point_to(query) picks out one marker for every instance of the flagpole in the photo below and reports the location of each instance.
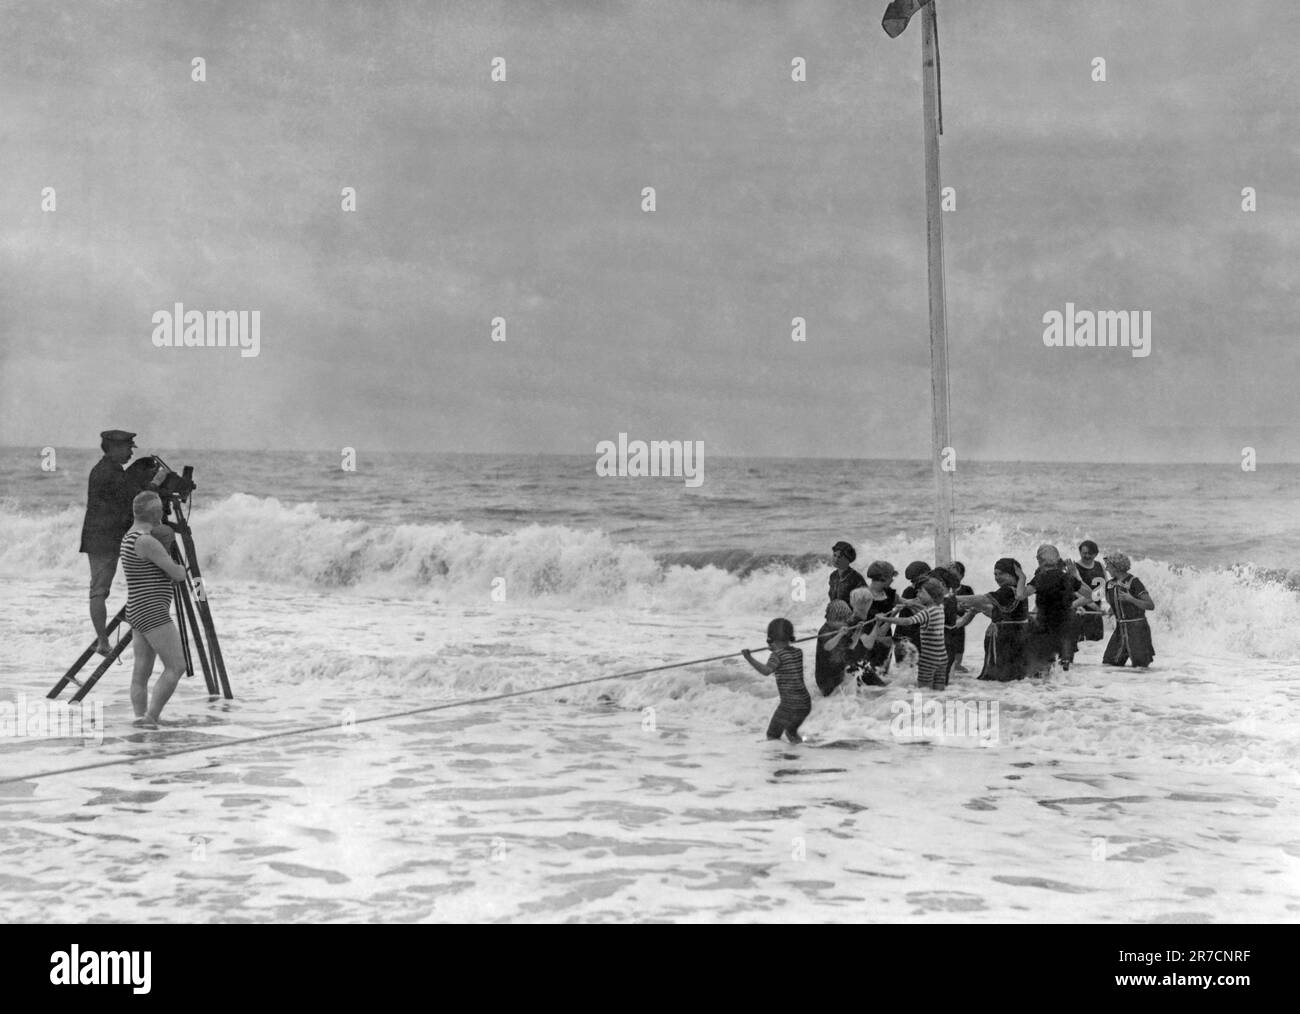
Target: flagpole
(940, 436)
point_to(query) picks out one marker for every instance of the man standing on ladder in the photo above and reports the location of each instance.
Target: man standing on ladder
(108, 516)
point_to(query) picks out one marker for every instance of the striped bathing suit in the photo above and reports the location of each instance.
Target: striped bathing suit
(932, 669)
(795, 700)
(789, 677)
(148, 589)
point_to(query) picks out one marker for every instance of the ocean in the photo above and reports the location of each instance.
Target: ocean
(426, 579)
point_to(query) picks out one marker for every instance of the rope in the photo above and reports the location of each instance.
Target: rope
(306, 730)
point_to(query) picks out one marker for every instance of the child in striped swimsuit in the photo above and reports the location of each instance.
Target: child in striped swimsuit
(786, 664)
(932, 667)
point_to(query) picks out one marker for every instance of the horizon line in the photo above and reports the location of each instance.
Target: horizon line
(723, 457)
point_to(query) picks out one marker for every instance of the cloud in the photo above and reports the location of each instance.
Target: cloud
(775, 200)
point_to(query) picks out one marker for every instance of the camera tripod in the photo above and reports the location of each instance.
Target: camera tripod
(193, 618)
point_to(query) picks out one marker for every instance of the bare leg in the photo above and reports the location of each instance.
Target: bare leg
(166, 640)
(99, 617)
(102, 569)
(140, 673)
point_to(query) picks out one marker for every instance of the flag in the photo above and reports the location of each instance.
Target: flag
(898, 14)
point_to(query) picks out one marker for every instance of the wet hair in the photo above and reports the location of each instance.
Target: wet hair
(849, 552)
(1090, 546)
(1006, 565)
(780, 629)
(933, 587)
(958, 568)
(916, 569)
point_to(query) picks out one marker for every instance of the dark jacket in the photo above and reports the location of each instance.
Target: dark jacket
(108, 507)
(1054, 592)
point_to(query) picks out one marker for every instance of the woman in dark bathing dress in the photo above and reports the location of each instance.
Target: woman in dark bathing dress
(829, 661)
(959, 631)
(1093, 575)
(1005, 657)
(1129, 601)
(1054, 630)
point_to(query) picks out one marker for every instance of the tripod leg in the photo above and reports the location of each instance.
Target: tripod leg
(180, 625)
(205, 612)
(185, 612)
(103, 666)
(183, 593)
(70, 675)
(217, 660)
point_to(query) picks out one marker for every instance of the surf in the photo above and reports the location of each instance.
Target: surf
(1237, 612)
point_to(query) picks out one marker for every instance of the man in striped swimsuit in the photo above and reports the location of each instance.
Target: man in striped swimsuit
(150, 571)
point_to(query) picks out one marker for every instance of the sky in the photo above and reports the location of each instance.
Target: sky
(775, 199)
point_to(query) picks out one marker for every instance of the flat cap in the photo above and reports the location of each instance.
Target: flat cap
(121, 435)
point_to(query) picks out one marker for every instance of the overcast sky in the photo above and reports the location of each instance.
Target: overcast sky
(775, 199)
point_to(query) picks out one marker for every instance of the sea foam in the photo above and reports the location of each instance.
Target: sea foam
(1238, 612)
